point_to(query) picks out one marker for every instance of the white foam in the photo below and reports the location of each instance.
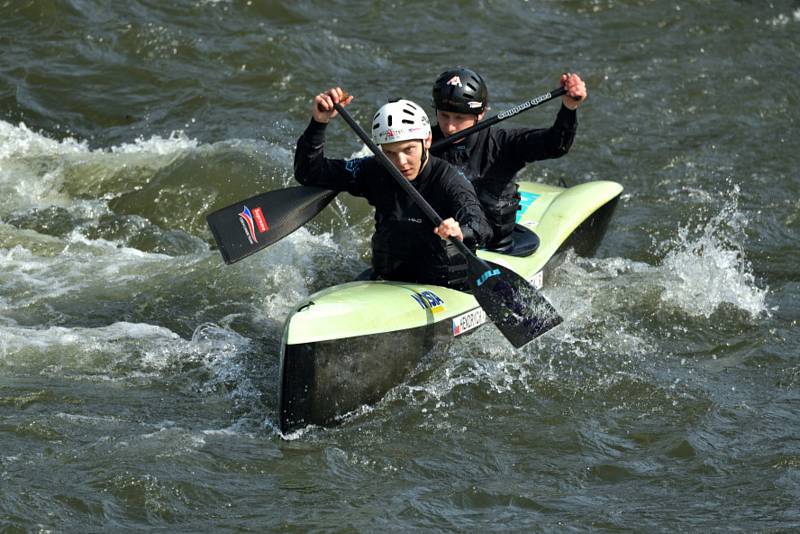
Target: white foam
(220, 351)
(706, 265)
(20, 141)
(703, 267)
(34, 168)
(707, 274)
(93, 352)
(100, 420)
(80, 264)
(176, 142)
(780, 20)
(131, 351)
(16, 337)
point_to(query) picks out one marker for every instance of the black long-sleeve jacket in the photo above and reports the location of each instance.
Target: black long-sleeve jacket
(404, 246)
(492, 157)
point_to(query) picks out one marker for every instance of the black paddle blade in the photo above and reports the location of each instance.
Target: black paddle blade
(516, 307)
(250, 225)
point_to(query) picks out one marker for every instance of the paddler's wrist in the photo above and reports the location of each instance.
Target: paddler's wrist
(315, 133)
(566, 118)
(468, 237)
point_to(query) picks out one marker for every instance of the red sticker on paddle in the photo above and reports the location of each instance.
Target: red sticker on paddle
(261, 222)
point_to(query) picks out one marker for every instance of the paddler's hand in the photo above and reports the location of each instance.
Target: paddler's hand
(576, 90)
(449, 228)
(323, 110)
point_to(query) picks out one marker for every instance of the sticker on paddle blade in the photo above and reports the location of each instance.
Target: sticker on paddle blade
(248, 224)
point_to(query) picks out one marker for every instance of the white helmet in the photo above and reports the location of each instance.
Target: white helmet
(400, 121)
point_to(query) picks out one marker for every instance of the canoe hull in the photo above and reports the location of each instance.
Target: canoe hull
(587, 237)
(325, 380)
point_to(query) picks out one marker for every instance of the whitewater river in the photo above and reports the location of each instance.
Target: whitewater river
(138, 372)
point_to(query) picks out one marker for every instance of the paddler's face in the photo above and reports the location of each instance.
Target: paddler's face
(407, 155)
(451, 123)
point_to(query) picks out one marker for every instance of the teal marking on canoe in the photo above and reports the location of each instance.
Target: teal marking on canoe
(525, 201)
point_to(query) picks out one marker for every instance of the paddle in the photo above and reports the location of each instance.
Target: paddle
(250, 225)
(507, 114)
(515, 306)
(232, 231)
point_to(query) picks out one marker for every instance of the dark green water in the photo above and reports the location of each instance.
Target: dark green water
(138, 374)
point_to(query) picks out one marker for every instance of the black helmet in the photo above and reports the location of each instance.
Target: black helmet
(460, 90)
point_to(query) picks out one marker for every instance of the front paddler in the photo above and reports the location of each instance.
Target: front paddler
(405, 247)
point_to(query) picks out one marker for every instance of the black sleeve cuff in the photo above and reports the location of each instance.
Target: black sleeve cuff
(469, 237)
(567, 117)
(315, 133)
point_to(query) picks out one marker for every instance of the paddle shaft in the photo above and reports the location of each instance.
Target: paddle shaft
(500, 117)
(418, 199)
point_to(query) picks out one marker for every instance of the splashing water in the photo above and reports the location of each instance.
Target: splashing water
(707, 265)
(36, 171)
(704, 267)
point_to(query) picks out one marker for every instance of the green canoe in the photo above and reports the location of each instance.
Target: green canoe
(347, 345)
